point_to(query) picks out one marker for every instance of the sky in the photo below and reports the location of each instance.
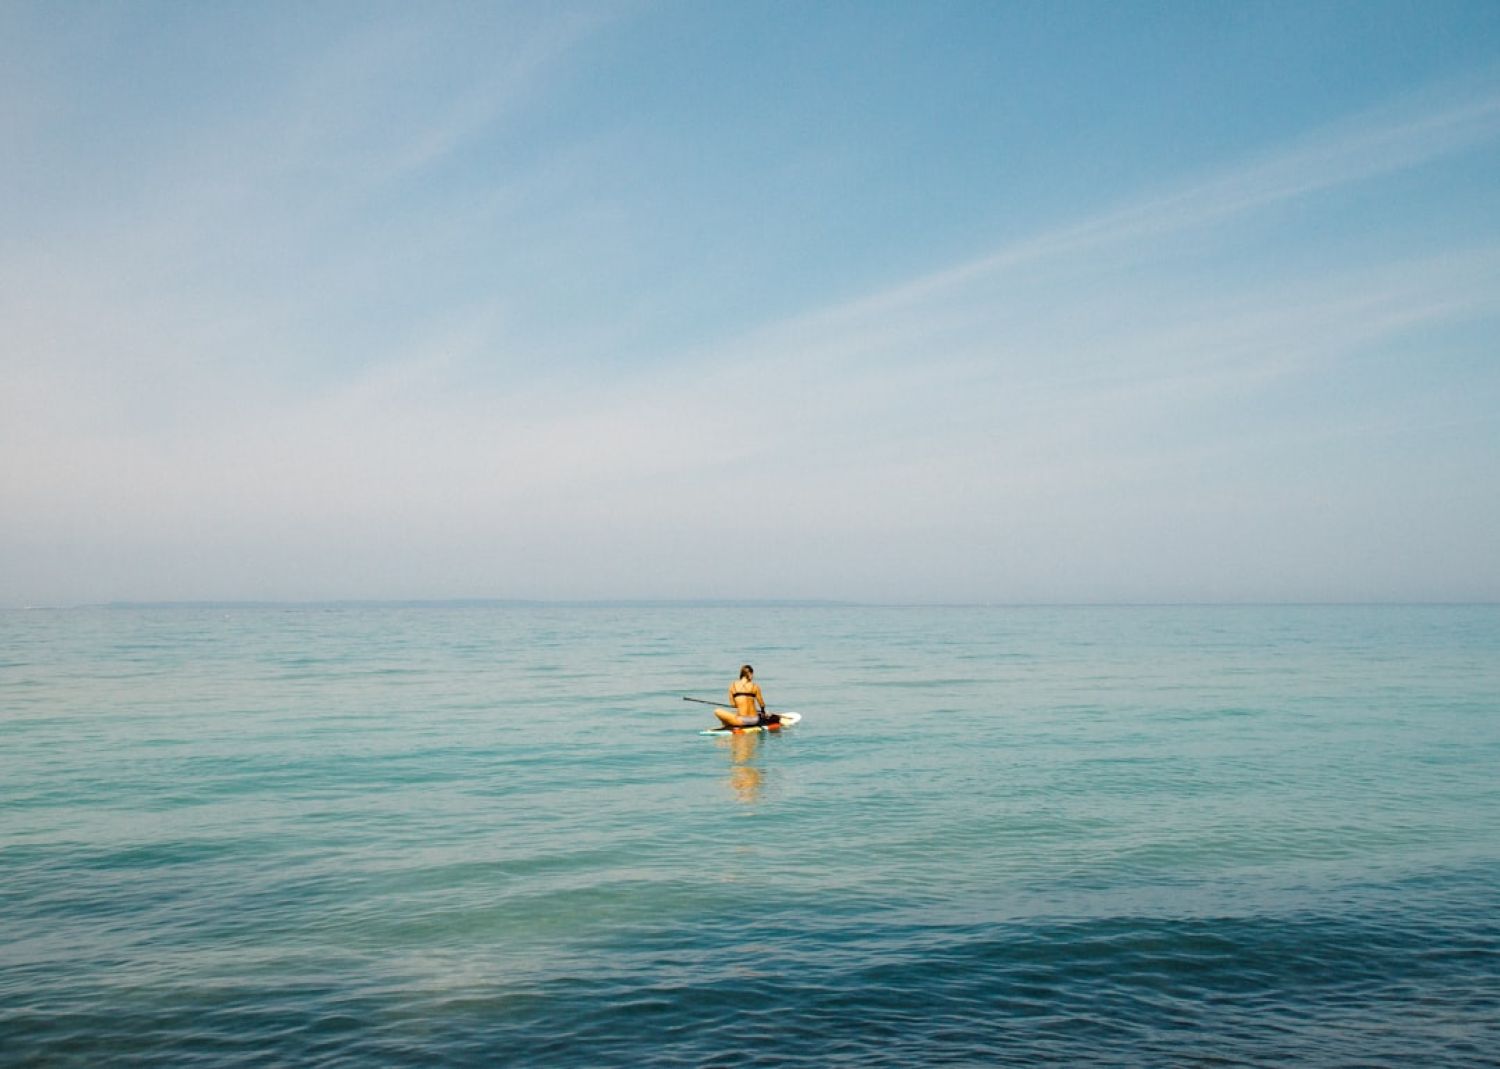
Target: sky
(992, 302)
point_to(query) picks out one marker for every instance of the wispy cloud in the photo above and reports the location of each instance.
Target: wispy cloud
(1433, 125)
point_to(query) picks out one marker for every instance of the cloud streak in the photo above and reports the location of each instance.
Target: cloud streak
(1381, 143)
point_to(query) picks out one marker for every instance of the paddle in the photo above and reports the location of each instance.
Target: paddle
(721, 705)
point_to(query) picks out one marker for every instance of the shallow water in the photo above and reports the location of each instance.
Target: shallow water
(460, 835)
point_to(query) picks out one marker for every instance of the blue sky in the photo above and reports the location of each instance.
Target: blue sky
(994, 302)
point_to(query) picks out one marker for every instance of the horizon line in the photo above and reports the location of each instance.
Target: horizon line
(717, 603)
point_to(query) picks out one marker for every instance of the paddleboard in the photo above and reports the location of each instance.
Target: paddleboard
(787, 720)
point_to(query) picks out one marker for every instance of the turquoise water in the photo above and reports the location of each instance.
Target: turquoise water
(358, 835)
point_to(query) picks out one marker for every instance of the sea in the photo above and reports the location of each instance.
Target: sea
(492, 835)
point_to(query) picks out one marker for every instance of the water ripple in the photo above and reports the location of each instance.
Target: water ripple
(1079, 838)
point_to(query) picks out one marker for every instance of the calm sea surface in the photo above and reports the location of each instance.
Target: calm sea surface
(429, 836)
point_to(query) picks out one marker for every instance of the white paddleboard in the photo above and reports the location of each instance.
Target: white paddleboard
(787, 720)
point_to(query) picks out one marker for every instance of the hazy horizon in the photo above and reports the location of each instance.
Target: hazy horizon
(729, 603)
(957, 303)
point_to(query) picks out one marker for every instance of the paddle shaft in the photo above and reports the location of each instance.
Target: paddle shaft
(700, 701)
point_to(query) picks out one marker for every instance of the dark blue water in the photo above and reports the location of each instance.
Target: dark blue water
(460, 836)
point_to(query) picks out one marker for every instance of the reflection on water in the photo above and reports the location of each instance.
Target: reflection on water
(745, 777)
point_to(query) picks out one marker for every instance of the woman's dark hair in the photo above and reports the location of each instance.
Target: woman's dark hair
(746, 670)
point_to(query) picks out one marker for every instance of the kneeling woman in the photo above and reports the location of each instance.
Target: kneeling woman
(749, 704)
